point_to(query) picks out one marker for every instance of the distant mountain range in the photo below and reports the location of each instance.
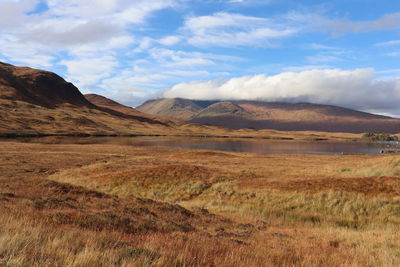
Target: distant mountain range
(271, 115)
(37, 102)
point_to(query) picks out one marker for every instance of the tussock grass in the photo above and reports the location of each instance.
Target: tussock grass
(341, 209)
(173, 183)
(381, 167)
(281, 210)
(24, 242)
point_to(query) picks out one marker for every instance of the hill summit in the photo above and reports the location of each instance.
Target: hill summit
(38, 87)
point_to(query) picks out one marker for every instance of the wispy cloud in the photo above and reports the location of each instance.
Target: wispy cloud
(227, 30)
(389, 43)
(336, 26)
(305, 68)
(86, 72)
(170, 40)
(316, 46)
(393, 54)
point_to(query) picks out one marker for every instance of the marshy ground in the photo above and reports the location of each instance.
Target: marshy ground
(113, 205)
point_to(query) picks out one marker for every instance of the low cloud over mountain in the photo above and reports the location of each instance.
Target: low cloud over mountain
(360, 89)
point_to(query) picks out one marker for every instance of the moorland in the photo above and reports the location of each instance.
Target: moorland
(112, 205)
(71, 204)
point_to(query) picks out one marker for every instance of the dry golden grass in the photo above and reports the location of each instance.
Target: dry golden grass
(24, 242)
(279, 210)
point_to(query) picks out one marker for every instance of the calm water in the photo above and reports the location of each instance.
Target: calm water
(237, 145)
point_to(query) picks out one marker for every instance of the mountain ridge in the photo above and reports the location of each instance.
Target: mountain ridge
(36, 102)
(38, 87)
(238, 114)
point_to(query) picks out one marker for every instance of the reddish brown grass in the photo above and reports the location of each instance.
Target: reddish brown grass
(262, 210)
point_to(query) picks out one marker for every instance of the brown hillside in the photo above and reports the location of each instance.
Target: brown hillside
(36, 102)
(106, 103)
(222, 109)
(177, 108)
(279, 116)
(38, 87)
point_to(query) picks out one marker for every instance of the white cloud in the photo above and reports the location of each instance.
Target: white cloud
(227, 30)
(306, 67)
(389, 43)
(163, 66)
(129, 96)
(326, 54)
(323, 58)
(316, 46)
(60, 32)
(357, 88)
(78, 22)
(339, 26)
(146, 43)
(86, 72)
(174, 58)
(167, 66)
(135, 77)
(13, 12)
(393, 54)
(241, 2)
(170, 40)
(391, 72)
(118, 11)
(34, 56)
(84, 35)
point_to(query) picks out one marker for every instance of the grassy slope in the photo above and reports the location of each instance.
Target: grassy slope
(180, 109)
(308, 210)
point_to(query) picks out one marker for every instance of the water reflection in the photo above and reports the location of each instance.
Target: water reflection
(276, 147)
(237, 145)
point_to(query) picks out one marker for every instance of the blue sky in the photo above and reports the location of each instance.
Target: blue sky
(335, 52)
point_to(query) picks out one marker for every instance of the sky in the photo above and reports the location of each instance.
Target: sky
(340, 52)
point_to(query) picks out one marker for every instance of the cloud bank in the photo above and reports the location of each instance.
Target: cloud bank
(359, 89)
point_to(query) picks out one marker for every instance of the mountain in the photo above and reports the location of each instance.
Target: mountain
(36, 102)
(38, 87)
(222, 109)
(272, 115)
(113, 106)
(177, 108)
(105, 102)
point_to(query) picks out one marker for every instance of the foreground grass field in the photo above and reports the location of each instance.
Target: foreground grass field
(110, 205)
